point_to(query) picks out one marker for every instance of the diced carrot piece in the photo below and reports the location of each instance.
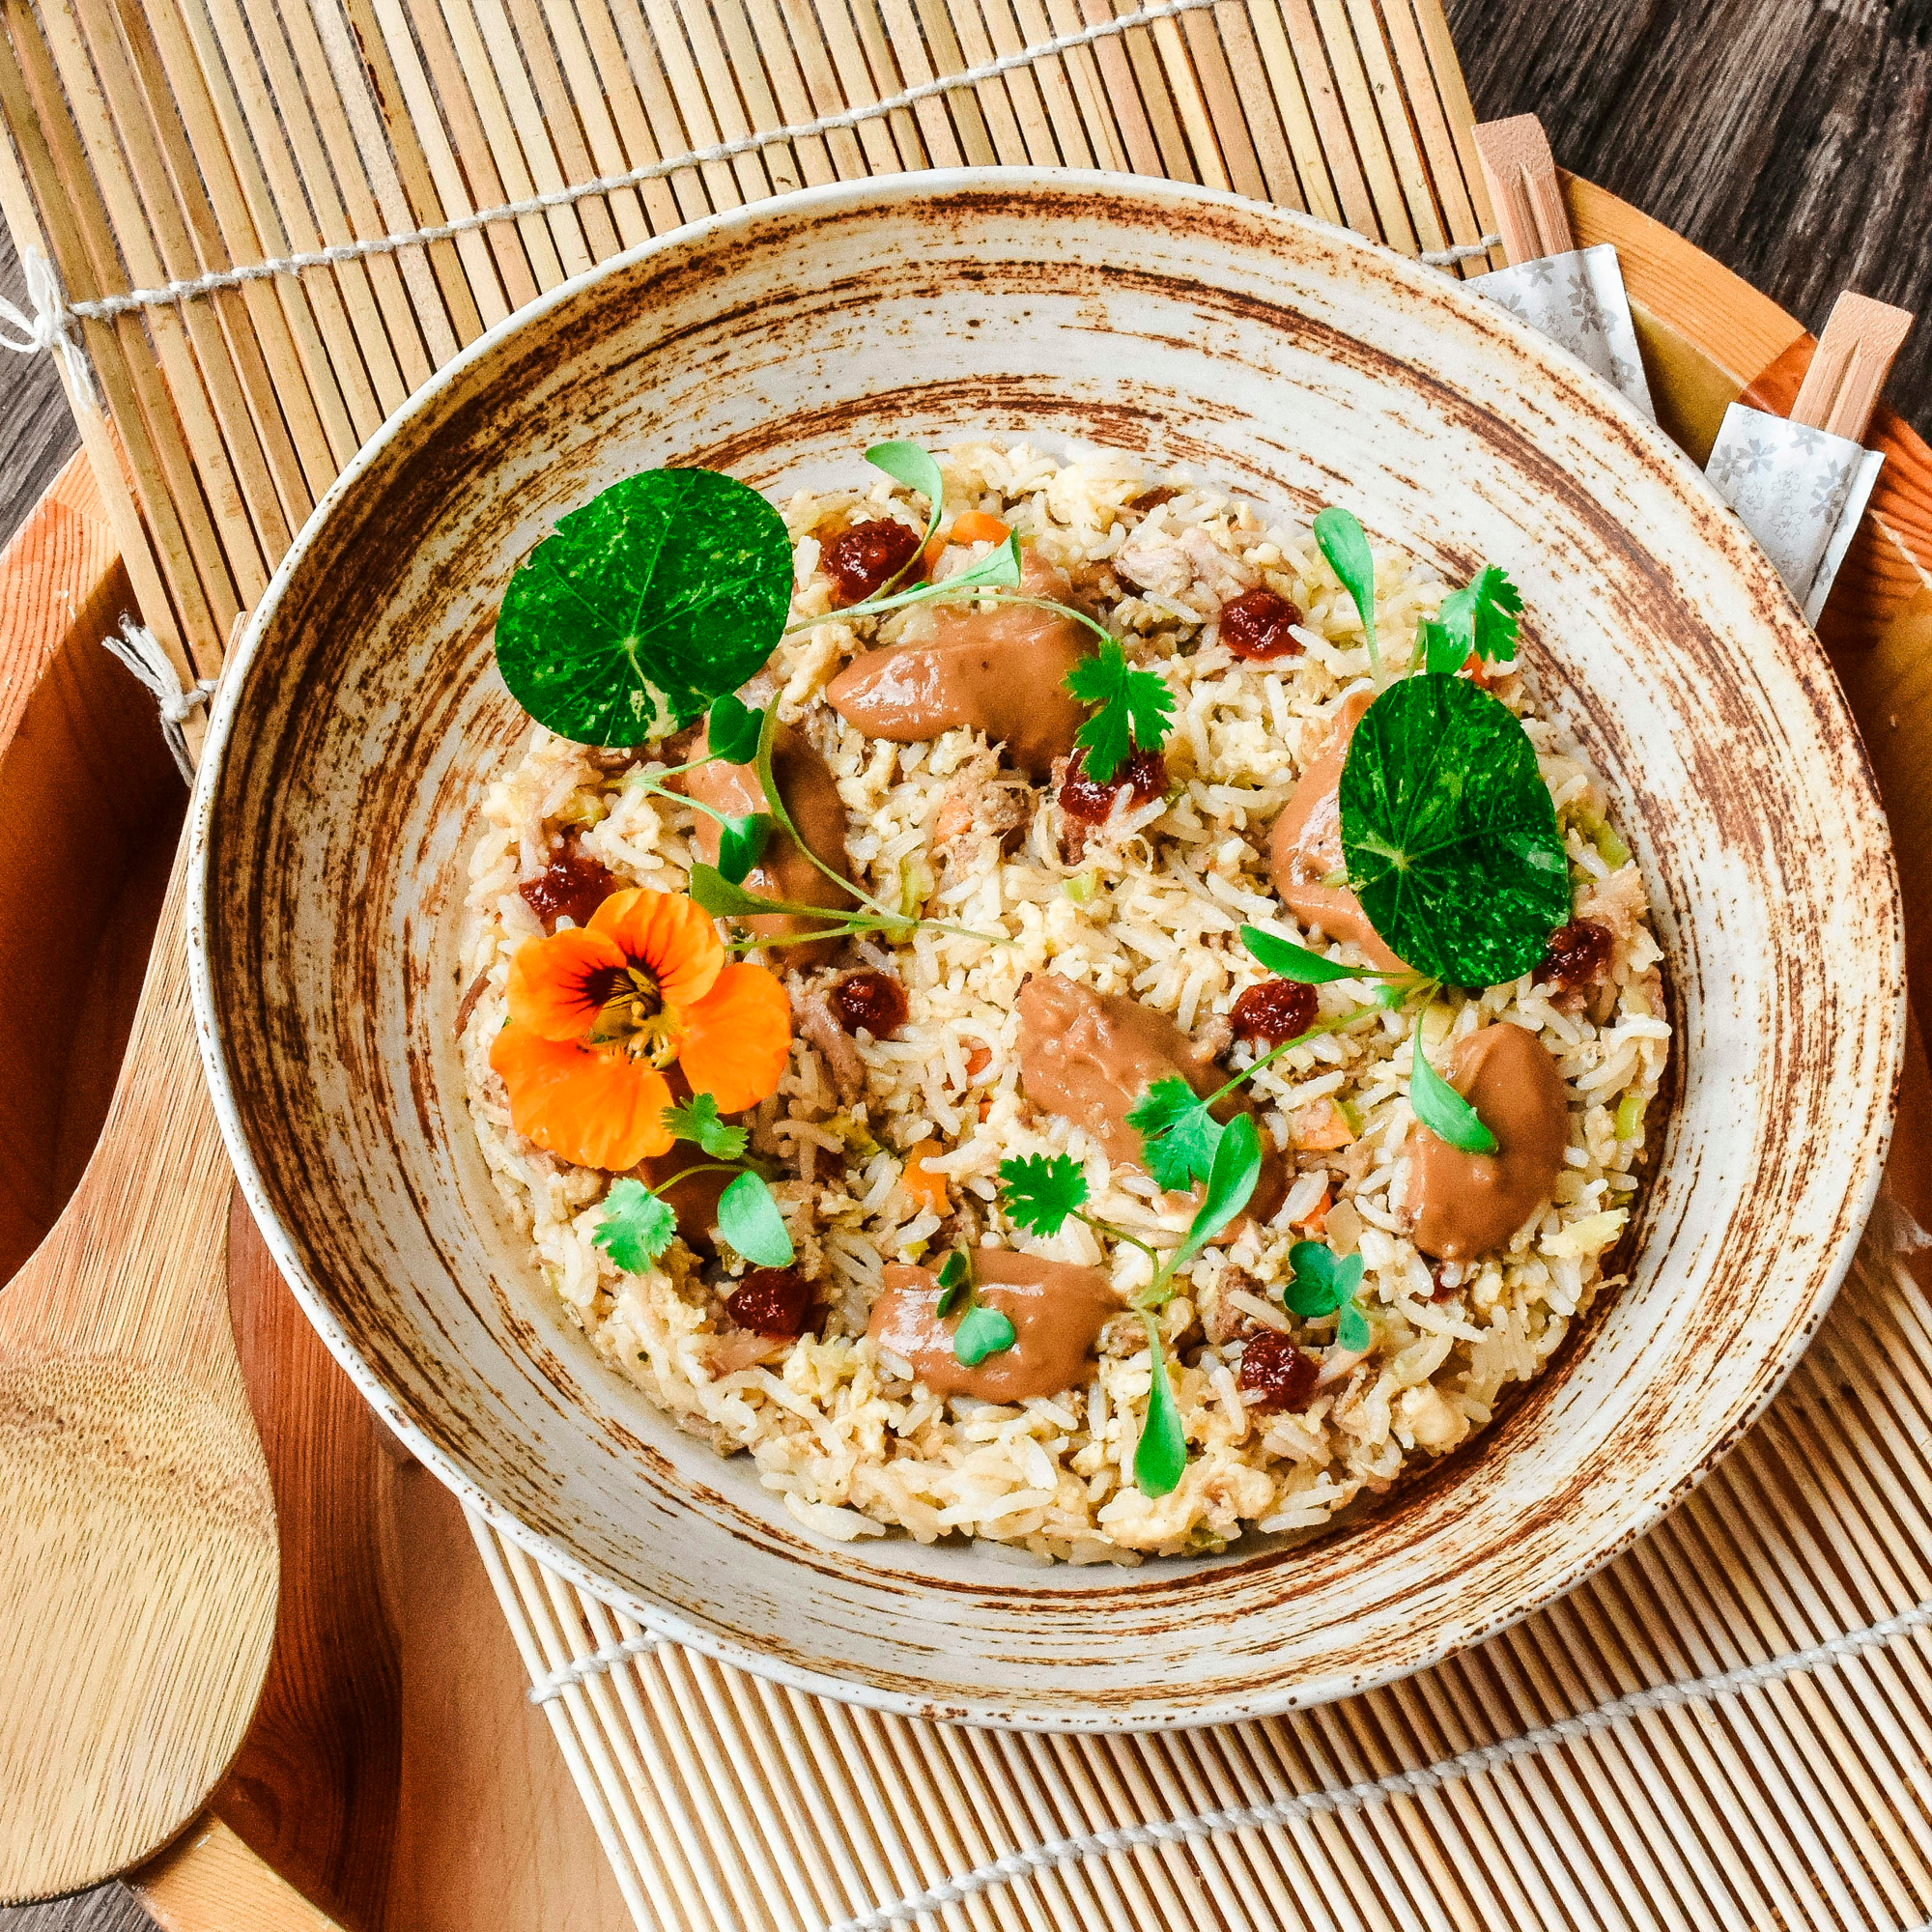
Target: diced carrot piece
(1321, 1125)
(919, 1181)
(928, 558)
(1317, 1217)
(978, 1060)
(976, 526)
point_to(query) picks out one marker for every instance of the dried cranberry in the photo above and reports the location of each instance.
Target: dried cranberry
(861, 560)
(1273, 1368)
(1440, 1288)
(1578, 955)
(572, 886)
(1143, 775)
(771, 1301)
(1275, 1011)
(874, 1001)
(1258, 624)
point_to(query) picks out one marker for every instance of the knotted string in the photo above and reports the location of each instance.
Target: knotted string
(48, 328)
(140, 650)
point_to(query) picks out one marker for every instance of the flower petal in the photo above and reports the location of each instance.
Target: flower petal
(668, 934)
(737, 1038)
(589, 1108)
(552, 985)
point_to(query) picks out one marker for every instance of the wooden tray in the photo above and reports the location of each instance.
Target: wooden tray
(395, 1774)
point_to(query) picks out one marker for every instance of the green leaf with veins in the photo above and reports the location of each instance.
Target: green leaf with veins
(634, 1228)
(1161, 1457)
(1346, 546)
(698, 1120)
(1449, 835)
(981, 1332)
(1443, 1109)
(657, 596)
(748, 1218)
(731, 730)
(1322, 1280)
(1179, 1135)
(741, 844)
(1482, 616)
(1288, 961)
(1135, 706)
(1039, 1192)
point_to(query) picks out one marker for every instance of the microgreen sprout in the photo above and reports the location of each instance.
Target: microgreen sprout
(1324, 1283)
(1345, 544)
(1441, 1109)
(638, 1222)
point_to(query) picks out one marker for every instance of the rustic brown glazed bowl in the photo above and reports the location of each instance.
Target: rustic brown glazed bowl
(362, 715)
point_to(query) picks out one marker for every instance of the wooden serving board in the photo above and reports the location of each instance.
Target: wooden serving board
(396, 1776)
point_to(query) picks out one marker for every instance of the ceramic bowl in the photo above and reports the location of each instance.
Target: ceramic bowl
(361, 716)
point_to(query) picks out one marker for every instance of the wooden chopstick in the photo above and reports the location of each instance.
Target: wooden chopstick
(1848, 369)
(1529, 198)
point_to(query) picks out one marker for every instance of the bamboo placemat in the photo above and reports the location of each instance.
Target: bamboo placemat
(160, 143)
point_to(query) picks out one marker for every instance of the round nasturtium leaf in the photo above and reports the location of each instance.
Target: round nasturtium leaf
(660, 594)
(1448, 832)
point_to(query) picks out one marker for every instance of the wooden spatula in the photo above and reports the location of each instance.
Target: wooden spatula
(137, 1529)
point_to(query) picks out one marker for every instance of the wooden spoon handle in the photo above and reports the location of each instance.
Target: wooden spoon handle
(133, 1269)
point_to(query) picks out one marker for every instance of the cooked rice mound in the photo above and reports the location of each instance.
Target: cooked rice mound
(1148, 908)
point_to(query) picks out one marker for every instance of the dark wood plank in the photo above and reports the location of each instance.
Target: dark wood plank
(37, 435)
(1792, 139)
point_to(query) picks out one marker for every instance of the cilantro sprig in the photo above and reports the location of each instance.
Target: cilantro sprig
(1478, 620)
(1135, 707)
(698, 1120)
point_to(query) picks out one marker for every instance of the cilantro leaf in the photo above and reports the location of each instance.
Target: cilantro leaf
(741, 844)
(1039, 1192)
(696, 1120)
(981, 1332)
(1482, 616)
(1135, 706)
(660, 594)
(1160, 1456)
(1443, 1109)
(731, 730)
(1322, 1280)
(1178, 1133)
(748, 1218)
(1346, 546)
(1448, 832)
(634, 1228)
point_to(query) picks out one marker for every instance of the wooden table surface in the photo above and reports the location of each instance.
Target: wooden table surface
(1792, 139)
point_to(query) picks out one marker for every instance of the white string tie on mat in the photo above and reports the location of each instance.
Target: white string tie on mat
(48, 330)
(1400, 1785)
(140, 650)
(53, 313)
(582, 1669)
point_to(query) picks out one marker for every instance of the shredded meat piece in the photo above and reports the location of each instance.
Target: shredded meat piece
(819, 1024)
(471, 993)
(613, 757)
(1221, 1321)
(1617, 903)
(976, 809)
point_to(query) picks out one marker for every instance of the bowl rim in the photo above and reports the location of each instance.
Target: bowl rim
(663, 1623)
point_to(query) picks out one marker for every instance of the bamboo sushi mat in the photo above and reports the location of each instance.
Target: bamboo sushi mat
(1687, 1740)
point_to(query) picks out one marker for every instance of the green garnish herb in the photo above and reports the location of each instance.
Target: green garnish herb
(748, 1218)
(998, 570)
(1135, 708)
(1179, 1135)
(636, 1226)
(981, 1332)
(698, 1120)
(1449, 835)
(1443, 1109)
(1160, 1456)
(1040, 1191)
(642, 607)
(1288, 961)
(1346, 546)
(955, 1278)
(741, 844)
(1324, 1283)
(732, 729)
(1478, 620)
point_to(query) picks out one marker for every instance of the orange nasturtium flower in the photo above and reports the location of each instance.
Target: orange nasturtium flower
(597, 1014)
